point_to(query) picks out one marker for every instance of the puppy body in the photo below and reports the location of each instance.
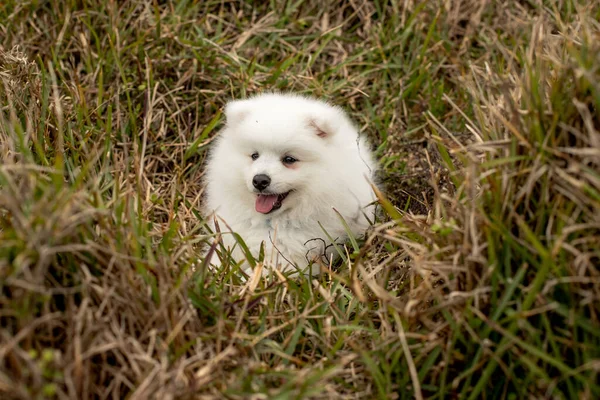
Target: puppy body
(281, 165)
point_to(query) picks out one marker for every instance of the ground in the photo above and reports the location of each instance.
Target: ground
(479, 280)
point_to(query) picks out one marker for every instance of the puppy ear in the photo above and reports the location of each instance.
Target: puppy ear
(236, 111)
(326, 124)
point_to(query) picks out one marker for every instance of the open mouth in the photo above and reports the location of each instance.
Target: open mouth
(266, 203)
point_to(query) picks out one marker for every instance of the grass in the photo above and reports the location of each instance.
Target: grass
(480, 281)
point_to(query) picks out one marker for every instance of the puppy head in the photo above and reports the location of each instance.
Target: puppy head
(283, 144)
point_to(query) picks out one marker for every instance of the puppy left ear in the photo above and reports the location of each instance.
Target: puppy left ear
(236, 111)
(326, 124)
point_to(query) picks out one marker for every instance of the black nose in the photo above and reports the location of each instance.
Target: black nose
(261, 181)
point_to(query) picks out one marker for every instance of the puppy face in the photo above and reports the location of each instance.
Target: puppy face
(273, 174)
(281, 146)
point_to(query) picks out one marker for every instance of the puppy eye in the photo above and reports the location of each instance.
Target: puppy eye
(289, 160)
(254, 155)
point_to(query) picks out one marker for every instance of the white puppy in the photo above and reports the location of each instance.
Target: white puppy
(278, 171)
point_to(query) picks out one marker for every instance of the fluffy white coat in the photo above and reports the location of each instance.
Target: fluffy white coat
(307, 149)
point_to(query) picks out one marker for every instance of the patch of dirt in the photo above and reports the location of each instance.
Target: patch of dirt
(411, 186)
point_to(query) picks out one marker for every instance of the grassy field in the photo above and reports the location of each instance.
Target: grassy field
(481, 280)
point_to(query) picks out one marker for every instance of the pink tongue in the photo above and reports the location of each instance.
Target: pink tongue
(265, 202)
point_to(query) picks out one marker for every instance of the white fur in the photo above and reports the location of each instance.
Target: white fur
(334, 170)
